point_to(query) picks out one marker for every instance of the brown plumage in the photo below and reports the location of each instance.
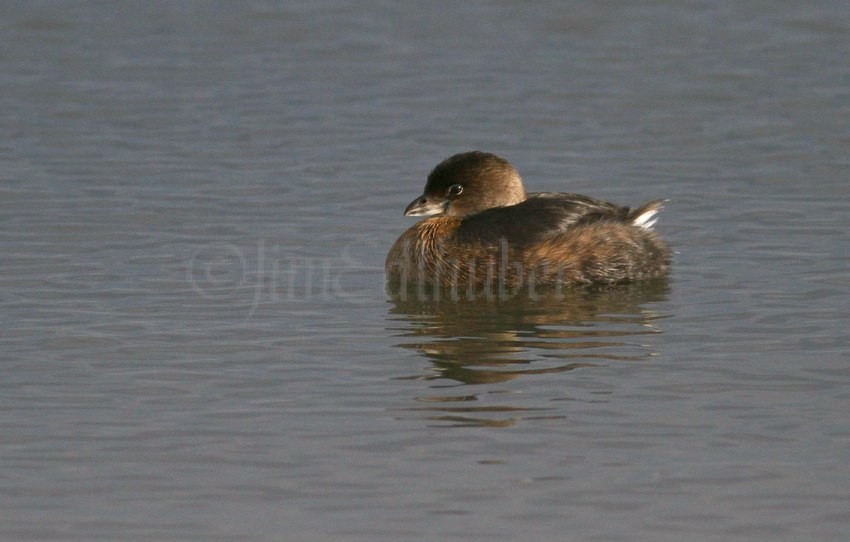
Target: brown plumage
(486, 232)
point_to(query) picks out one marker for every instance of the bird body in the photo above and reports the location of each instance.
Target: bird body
(486, 231)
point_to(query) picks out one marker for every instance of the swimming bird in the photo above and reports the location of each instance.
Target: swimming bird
(485, 230)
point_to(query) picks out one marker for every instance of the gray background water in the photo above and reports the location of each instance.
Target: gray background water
(197, 198)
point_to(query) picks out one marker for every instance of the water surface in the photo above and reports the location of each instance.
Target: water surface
(196, 202)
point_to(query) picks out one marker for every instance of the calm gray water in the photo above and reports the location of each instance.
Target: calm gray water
(196, 201)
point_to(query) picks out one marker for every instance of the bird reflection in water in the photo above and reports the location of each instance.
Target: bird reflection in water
(494, 341)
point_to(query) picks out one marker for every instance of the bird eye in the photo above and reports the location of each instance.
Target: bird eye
(455, 190)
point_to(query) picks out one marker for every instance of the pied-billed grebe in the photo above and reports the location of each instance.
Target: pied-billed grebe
(485, 230)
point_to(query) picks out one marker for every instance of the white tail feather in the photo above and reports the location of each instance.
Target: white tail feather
(643, 221)
(648, 218)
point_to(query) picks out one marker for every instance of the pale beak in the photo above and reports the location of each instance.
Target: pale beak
(423, 206)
